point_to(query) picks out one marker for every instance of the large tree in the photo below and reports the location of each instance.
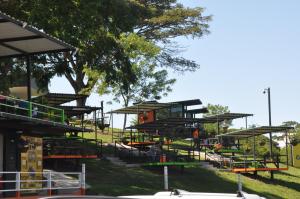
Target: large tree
(151, 82)
(95, 26)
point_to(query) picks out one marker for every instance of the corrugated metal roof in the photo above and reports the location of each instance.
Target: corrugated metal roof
(17, 38)
(256, 131)
(55, 99)
(142, 107)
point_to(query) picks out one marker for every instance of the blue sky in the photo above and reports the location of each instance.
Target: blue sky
(253, 45)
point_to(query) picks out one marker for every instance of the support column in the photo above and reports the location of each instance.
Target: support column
(28, 68)
(166, 182)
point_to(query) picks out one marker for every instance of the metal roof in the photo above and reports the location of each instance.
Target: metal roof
(173, 122)
(76, 110)
(165, 123)
(189, 102)
(197, 111)
(142, 107)
(256, 131)
(56, 99)
(154, 105)
(223, 116)
(17, 38)
(35, 125)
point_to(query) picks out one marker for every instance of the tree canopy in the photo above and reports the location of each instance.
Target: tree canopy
(212, 129)
(96, 26)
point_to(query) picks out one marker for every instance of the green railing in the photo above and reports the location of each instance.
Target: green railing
(31, 109)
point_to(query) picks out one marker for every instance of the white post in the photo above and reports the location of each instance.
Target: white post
(83, 180)
(49, 185)
(18, 184)
(239, 183)
(166, 183)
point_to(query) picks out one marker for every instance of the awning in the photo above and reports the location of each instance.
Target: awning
(36, 126)
(224, 116)
(192, 102)
(56, 99)
(154, 105)
(142, 107)
(256, 131)
(17, 38)
(71, 111)
(166, 123)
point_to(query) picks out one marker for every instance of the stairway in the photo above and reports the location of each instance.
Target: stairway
(118, 162)
(207, 166)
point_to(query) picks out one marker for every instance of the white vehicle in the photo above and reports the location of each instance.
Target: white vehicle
(181, 194)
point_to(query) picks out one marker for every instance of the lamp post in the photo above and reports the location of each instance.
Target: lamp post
(268, 91)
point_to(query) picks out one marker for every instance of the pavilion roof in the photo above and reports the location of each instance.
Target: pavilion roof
(245, 133)
(17, 38)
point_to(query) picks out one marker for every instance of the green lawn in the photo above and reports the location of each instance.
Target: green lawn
(109, 179)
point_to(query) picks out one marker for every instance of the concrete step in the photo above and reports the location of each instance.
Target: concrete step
(118, 162)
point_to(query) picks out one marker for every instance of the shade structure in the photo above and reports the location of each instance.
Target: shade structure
(71, 111)
(142, 107)
(56, 99)
(166, 123)
(36, 126)
(224, 116)
(191, 102)
(154, 105)
(246, 133)
(17, 38)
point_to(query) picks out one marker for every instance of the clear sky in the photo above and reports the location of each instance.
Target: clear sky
(253, 45)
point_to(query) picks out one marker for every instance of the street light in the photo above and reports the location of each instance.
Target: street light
(268, 91)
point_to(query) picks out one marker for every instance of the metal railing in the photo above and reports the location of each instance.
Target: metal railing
(44, 181)
(250, 161)
(72, 146)
(30, 109)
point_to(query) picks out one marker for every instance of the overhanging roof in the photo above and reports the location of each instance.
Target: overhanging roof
(165, 123)
(256, 131)
(56, 99)
(224, 116)
(197, 111)
(77, 110)
(189, 102)
(35, 125)
(142, 107)
(154, 105)
(17, 38)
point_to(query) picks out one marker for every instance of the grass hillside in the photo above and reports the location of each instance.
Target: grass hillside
(108, 179)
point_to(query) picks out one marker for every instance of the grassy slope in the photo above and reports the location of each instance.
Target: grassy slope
(108, 179)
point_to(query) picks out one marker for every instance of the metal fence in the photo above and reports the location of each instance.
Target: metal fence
(31, 109)
(15, 182)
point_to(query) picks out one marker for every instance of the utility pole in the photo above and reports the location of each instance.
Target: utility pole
(268, 90)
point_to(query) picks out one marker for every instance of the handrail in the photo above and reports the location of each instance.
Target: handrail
(31, 109)
(44, 181)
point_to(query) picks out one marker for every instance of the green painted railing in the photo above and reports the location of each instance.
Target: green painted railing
(30, 109)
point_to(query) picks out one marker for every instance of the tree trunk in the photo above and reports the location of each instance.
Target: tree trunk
(125, 120)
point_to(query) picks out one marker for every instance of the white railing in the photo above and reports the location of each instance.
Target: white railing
(47, 180)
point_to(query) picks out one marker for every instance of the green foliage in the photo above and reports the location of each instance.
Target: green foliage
(13, 73)
(98, 27)
(150, 83)
(262, 147)
(212, 129)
